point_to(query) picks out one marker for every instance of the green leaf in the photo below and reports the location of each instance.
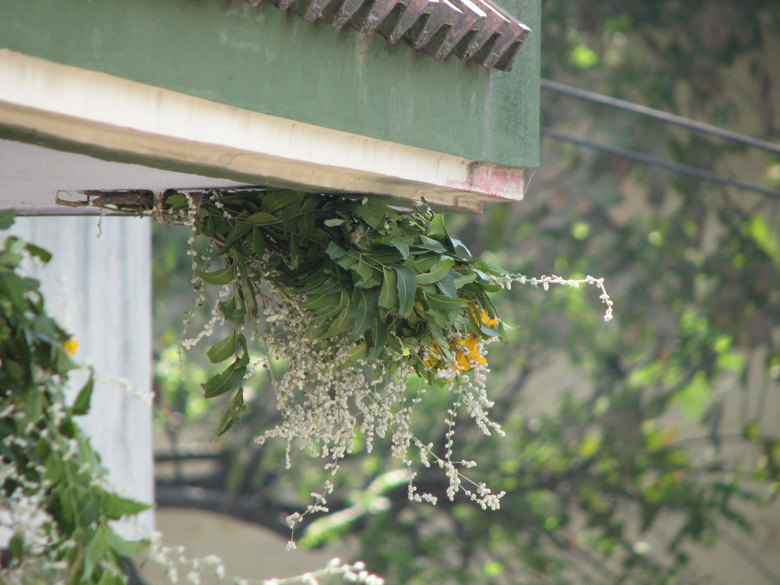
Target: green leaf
(6, 218)
(81, 405)
(334, 222)
(248, 294)
(364, 271)
(334, 251)
(232, 415)
(227, 380)
(306, 225)
(308, 272)
(383, 255)
(590, 444)
(402, 247)
(262, 218)
(223, 382)
(337, 327)
(378, 338)
(373, 212)
(176, 201)
(490, 331)
(427, 243)
(318, 302)
(11, 286)
(347, 261)
(30, 284)
(474, 324)
(258, 242)
(731, 361)
(460, 281)
(315, 283)
(357, 352)
(330, 286)
(279, 199)
(422, 262)
(447, 285)
(407, 287)
(439, 271)
(221, 351)
(365, 313)
(337, 303)
(233, 310)
(95, 551)
(115, 506)
(109, 578)
(240, 229)
(455, 244)
(44, 255)
(441, 302)
(224, 275)
(388, 295)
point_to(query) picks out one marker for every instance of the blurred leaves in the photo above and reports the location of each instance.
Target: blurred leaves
(49, 469)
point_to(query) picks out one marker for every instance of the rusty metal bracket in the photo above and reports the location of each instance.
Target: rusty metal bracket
(473, 30)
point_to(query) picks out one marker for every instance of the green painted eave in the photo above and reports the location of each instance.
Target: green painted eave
(266, 60)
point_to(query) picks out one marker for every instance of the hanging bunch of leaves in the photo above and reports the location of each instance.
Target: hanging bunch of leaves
(359, 268)
(355, 297)
(53, 500)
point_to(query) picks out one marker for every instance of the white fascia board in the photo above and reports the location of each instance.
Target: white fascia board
(114, 114)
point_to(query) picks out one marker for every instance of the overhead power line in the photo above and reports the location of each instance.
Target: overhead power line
(659, 162)
(658, 115)
(664, 117)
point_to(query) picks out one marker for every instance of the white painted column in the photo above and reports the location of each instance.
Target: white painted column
(100, 291)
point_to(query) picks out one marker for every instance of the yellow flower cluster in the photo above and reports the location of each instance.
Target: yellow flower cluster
(71, 346)
(466, 350)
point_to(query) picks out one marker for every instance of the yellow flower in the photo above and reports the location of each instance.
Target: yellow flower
(431, 356)
(467, 351)
(71, 346)
(484, 316)
(488, 321)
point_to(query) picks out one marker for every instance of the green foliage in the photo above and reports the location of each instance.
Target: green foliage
(362, 269)
(50, 491)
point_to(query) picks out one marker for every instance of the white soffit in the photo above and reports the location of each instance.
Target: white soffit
(112, 114)
(31, 177)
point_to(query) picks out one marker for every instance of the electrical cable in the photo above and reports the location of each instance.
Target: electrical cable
(658, 115)
(659, 162)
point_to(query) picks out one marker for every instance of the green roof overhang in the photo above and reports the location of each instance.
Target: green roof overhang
(257, 95)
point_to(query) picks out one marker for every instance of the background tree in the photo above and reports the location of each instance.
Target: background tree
(661, 434)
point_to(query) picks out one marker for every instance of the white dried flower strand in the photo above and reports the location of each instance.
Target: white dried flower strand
(174, 562)
(146, 398)
(324, 396)
(545, 281)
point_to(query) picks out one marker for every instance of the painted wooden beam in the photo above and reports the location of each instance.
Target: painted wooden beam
(267, 60)
(114, 118)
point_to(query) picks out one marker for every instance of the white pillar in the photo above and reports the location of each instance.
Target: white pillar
(100, 291)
